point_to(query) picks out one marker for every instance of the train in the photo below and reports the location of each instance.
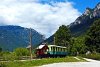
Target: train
(44, 50)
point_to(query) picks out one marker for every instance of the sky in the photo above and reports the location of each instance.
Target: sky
(45, 16)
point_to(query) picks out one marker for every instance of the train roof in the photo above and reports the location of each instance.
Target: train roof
(41, 46)
(57, 46)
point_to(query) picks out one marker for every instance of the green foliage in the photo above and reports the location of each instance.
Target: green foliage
(78, 46)
(9, 56)
(18, 53)
(2, 64)
(62, 36)
(4, 52)
(92, 39)
(21, 52)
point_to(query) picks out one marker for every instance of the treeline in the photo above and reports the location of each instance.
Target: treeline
(90, 41)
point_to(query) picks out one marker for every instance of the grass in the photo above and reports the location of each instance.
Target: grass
(95, 56)
(39, 62)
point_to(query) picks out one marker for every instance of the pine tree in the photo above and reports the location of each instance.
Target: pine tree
(62, 36)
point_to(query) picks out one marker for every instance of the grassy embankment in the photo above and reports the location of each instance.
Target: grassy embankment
(40, 62)
(95, 56)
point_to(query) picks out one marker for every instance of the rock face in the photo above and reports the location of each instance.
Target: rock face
(83, 22)
(96, 12)
(12, 37)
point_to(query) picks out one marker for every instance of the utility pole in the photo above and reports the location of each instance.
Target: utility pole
(30, 43)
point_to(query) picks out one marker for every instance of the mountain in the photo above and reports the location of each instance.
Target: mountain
(12, 37)
(82, 23)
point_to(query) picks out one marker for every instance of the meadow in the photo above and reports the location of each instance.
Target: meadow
(39, 62)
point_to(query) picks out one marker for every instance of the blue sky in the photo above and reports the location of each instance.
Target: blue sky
(82, 4)
(45, 16)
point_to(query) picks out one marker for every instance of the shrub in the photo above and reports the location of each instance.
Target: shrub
(9, 56)
(21, 52)
(2, 64)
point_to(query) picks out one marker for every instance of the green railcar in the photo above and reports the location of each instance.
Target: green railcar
(57, 51)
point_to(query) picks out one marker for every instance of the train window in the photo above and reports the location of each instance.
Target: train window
(64, 49)
(56, 49)
(59, 49)
(51, 48)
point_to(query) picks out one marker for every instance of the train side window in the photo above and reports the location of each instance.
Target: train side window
(54, 48)
(64, 49)
(61, 49)
(58, 48)
(51, 48)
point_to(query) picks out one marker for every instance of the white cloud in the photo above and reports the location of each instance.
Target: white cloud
(44, 18)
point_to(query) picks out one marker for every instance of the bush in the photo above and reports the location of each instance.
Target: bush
(21, 52)
(9, 56)
(2, 64)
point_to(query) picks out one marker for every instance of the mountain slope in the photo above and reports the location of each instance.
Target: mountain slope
(12, 37)
(82, 23)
